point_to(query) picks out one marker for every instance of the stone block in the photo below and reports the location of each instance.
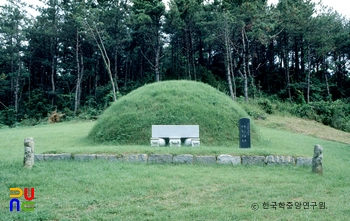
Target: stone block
(175, 131)
(188, 142)
(175, 142)
(279, 160)
(101, 156)
(205, 159)
(63, 156)
(317, 160)
(38, 157)
(28, 161)
(157, 142)
(132, 158)
(113, 158)
(183, 158)
(84, 157)
(142, 158)
(304, 161)
(160, 158)
(192, 142)
(129, 157)
(228, 159)
(195, 142)
(253, 160)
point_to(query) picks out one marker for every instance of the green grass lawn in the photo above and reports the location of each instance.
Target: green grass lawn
(101, 190)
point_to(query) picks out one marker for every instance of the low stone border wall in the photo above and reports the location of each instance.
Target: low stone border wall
(182, 159)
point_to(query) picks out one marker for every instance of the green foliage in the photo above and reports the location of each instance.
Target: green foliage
(207, 77)
(36, 106)
(45, 60)
(8, 117)
(332, 114)
(260, 107)
(129, 120)
(266, 105)
(252, 108)
(328, 113)
(28, 122)
(89, 113)
(304, 111)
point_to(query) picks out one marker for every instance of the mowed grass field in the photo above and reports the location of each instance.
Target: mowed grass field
(102, 190)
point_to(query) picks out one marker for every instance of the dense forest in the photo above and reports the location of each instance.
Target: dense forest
(78, 56)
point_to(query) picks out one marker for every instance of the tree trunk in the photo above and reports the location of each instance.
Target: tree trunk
(107, 64)
(248, 57)
(101, 47)
(17, 82)
(157, 61)
(232, 75)
(116, 67)
(286, 68)
(53, 57)
(188, 56)
(245, 78)
(327, 85)
(326, 78)
(227, 61)
(53, 88)
(13, 90)
(80, 72)
(126, 72)
(308, 74)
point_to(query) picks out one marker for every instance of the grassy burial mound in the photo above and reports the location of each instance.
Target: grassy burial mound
(129, 120)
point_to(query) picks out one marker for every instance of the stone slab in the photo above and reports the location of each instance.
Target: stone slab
(228, 159)
(63, 156)
(101, 156)
(204, 159)
(168, 131)
(253, 160)
(84, 157)
(160, 158)
(183, 158)
(132, 158)
(38, 157)
(279, 160)
(142, 158)
(304, 161)
(113, 158)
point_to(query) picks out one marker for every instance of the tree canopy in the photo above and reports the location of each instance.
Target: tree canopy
(79, 55)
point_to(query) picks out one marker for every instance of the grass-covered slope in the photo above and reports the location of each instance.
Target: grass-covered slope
(129, 120)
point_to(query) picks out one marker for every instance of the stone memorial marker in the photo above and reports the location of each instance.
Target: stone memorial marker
(317, 160)
(244, 133)
(28, 160)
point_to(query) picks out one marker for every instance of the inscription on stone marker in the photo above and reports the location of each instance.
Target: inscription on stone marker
(244, 133)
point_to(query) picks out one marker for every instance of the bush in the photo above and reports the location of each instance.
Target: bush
(305, 111)
(89, 113)
(29, 122)
(329, 113)
(266, 105)
(253, 110)
(8, 117)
